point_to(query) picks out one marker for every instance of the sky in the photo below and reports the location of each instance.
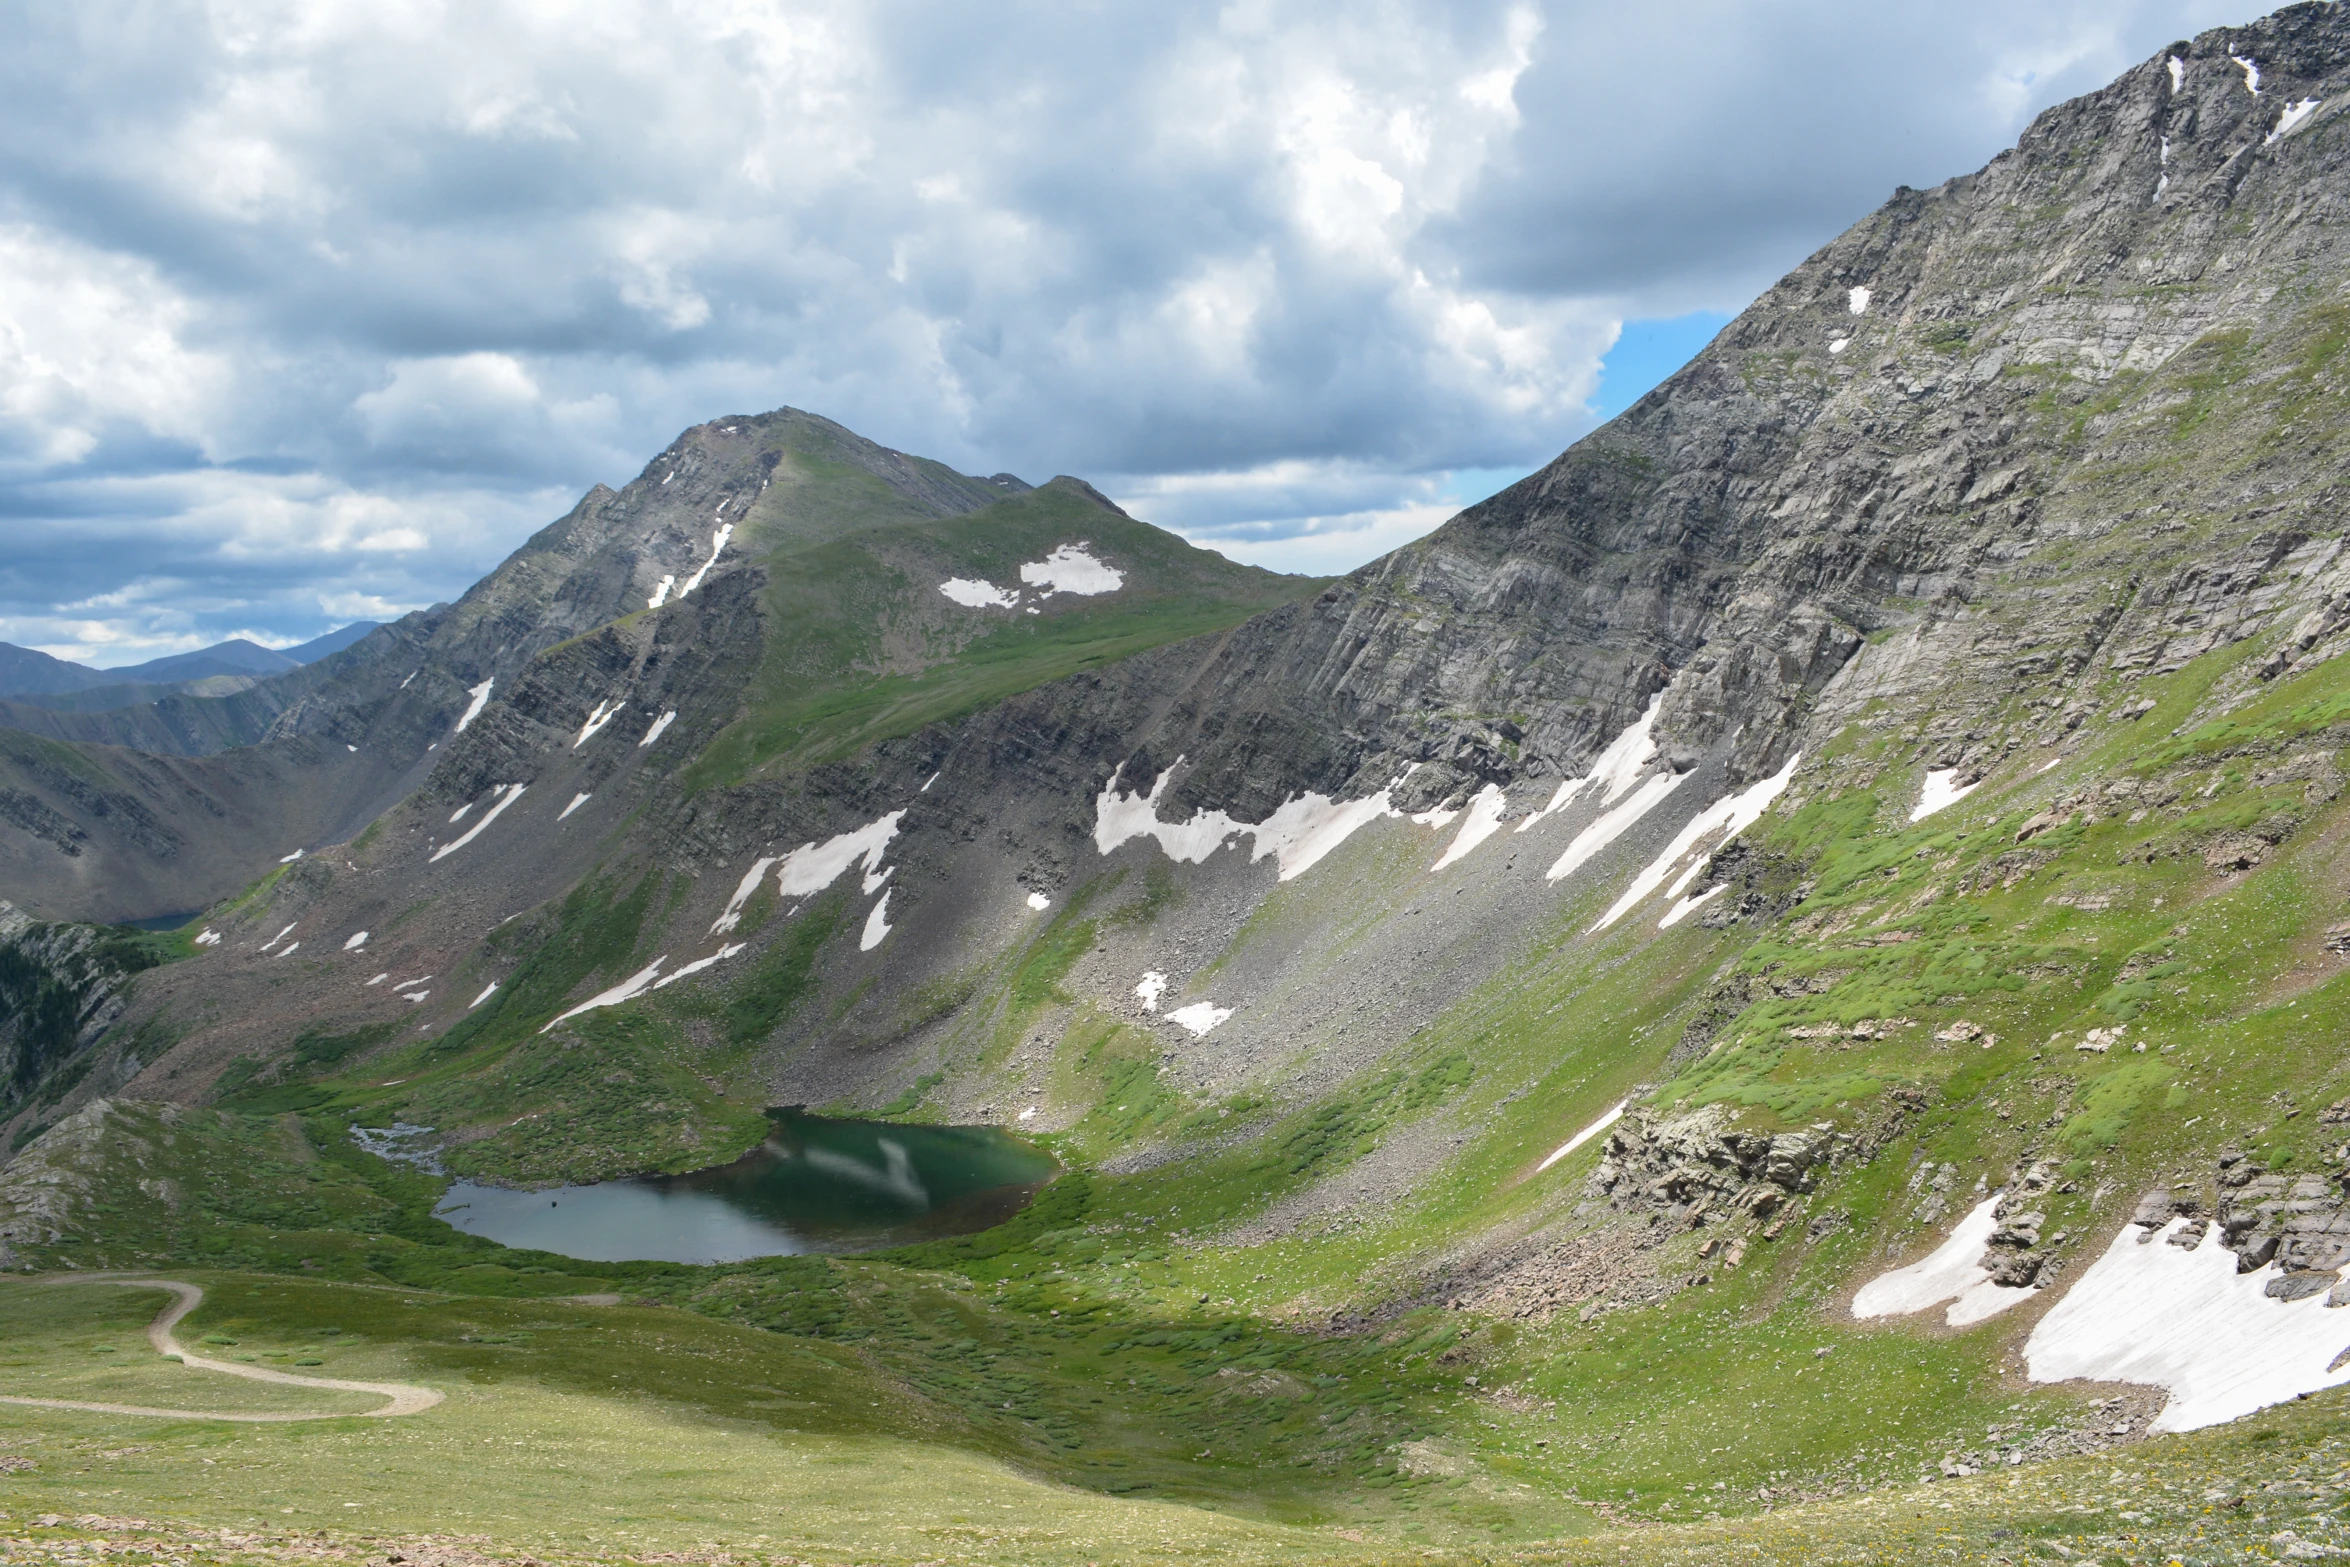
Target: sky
(313, 312)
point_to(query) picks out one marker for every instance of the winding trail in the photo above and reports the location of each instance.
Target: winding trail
(405, 1398)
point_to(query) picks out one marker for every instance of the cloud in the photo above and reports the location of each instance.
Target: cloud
(307, 304)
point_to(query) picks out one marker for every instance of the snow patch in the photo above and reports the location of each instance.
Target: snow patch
(627, 990)
(1837, 345)
(1199, 1017)
(2296, 116)
(1939, 792)
(1484, 820)
(1153, 986)
(927, 782)
(972, 593)
(2251, 74)
(812, 867)
(1027, 1114)
(412, 674)
(379, 979)
(280, 936)
(877, 926)
(458, 814)
(506, 796)
(717, 544)
(699, 964)
(605, 712)
(1729, 817)
(481, 699)
(577, 801)
(489, 991)
(356, 942)
(291, 858)
(1300, 832)
(661, 593)
(1615, 770)
(659, 724)
(1611, 825)
(1039, 902)
(1613, 1114)
(1858, 301)
(208, 937)
(1688, 906)
(2183, 1318)
(1072, 568)
(1953, 1272)
(2178, 72)
(409, 984)
(291, 950)
(742, 895)
(419, 996)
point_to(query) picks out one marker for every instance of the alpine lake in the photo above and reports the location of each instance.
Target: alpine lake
(815, 1185)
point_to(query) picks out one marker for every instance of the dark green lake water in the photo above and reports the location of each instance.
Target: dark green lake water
(814, 1185)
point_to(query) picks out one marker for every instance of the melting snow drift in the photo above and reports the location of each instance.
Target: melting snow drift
(877, 926)
(1300, 832)
(2296, 116)
(1939, 792)
(1199, 1017)
(481, 699)
(605, 712)
(1484, 820)
(2183, 1318)
(717, 546)
(1613, 1114)
(1072, 568)
(506, 796)
(1952, 1272)
(972, 593)
(1612, 773)
(627, 990)
(1729, 816)
(812, 867)
(1153, 986)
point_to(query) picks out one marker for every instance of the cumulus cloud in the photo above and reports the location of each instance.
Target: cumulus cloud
(315, 304)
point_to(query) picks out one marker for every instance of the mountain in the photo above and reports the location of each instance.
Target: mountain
(335, 641)
(1795, 953)
(26, 671)
(234, 657)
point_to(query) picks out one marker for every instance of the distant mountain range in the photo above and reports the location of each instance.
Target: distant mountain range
(26, 671)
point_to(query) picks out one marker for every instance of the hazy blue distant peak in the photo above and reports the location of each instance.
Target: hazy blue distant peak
(27, 671)
(317, 648)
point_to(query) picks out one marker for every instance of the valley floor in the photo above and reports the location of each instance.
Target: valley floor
(529, 1460)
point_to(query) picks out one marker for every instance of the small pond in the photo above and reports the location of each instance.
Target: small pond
(814, 1185)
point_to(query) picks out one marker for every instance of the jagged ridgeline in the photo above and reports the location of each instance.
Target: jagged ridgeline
(1796, 949)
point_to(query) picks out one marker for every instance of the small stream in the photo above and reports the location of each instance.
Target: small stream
(815, 1185)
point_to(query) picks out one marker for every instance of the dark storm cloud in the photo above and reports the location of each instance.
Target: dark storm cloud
(313, 310)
